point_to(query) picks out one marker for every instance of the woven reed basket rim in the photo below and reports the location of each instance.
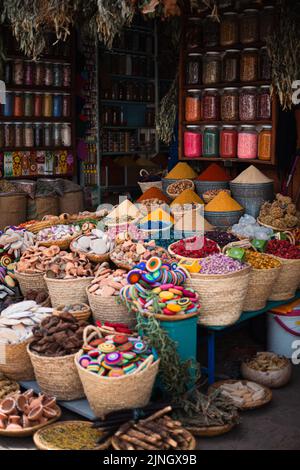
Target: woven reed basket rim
(67, 280)
(199, 276)
(18, 273)
(257, 404)
(207, 431)
(50, 358)
(276, 229)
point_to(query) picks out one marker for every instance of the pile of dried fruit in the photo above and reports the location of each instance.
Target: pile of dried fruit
(283, 249)
(266, 362)
(260, 260)
(177, 188)
(195, 247)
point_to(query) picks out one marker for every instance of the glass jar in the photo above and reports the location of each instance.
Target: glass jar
(19, 105)
(19, 135)
(48, 74)
(47, 105)
(28, 135)
(193, 69)
(18, 72)
(265, 65)
(66, 76)
(230, 104)
(8, 106)
(66, 135)
(2, 139)
(231, 66)
(9, 134)
(228, 142)
(47, 136)
(8, 73)
(248, 103)
(210, 147)
(265, 143)
(28, 73)
(56, 134)
(211, 105)
(39, 74)
(211, 33)
(57, 106)
(193, 106)
(249, 65)
(38, 134)
(192, 142)
(249, 26)
(264, 103)
(211, 68)
(28, 105)
(57, 75)
(229, 29)
(247, 143)
(38, 104)
(193, 34)
(267, 22)
(66, 105)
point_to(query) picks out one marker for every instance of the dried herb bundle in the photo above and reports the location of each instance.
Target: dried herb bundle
(166, 116)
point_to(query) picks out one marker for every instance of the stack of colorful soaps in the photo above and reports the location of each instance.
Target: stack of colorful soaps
(156, 288)
(115, 355)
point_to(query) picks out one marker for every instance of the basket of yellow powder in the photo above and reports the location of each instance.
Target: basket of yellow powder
(223, 211)
(181, 171)
(264, 273)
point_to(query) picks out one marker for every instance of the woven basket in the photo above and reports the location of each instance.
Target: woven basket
(261, 284)
(28, 282)
(210, 431)
(257, 404)
(271, 378)
(221, 296)
(174, 196)
(108, 394)
(203, 186)
(90, 256)
(68, 291)
(82, 315)
(57, 376)
(276, 229)
(63, 244)
(151, 184)
(287, 283)
(15, 362)
(206, 198)
(183, 258)
(107, 309)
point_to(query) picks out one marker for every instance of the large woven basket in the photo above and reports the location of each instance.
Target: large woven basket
(287, 282)
(221, 297)
(15, 362)
(68, 291)
(107, 394)
(261, 284)
(80, 315)
(90, 256)
(28, 282)
(107, 309)
(63, 244)
(151, 184)
(57, 376)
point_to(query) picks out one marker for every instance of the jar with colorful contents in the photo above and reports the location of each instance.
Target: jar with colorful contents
(247, 143)
(265, 65)
(47, 136)
(248, 104)
(249, 26)
(39, 74)
(57, 105)
(8, 107)
(212, 66)
(38, 104)
(267, 22)
(264, 104)
(230, 104)
(28, 105)
(211, 104)
(19, 104)
(47, 105)
(229, 29)
(231, 66)
(18, 72)
(9, 135)
(228, 142)
(28, 73)
(19, 135)
(38, 134)
(66, 76)
(193, 34)
(211, 33)
(192, 142)
(194, 69)
(210, 147)
(48, 74)
(66, 105)
(249, 65)
(193, 106)
(56, 134)
(28, 135)
(265, 143)
(66, 135)
(57, 75)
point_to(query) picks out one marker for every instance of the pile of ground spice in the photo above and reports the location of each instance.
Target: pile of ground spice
(158, 215)
(252, 176)
(182, 171)
(153, 193)
(214, 173)
(191, 221)
(187, 197)
(223, 203)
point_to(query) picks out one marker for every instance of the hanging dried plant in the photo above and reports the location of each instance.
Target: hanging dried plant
(284, 51)
(166, 116)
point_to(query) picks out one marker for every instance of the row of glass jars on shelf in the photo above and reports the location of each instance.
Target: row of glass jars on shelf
(37, 105)
(245, 142)
(230, 104)
(20, 72)
(249, 65)
(249, 27)
(19, 135)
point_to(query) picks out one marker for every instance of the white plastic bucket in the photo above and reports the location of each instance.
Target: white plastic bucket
(283, 332)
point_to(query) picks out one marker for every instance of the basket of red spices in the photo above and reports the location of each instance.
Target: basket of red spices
(288, 281)
(193, 248)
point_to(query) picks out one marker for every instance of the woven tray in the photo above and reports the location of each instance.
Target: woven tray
(41, 444)
(267, 398)
(276, 229)
(30, 431)
(210, 431)
(90, 256)
(63, 244)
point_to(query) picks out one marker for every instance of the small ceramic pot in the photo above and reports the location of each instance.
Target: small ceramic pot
(14, 423)
(21, 403)
(35, 413)
(8, 406)
(49, 413)
(28, 394)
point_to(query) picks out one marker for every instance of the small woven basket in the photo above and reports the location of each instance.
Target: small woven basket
(68, 291)
(57, 376)
(15, 362)
(29, 282)
(261, 284)
(174, 196)
(108, 394)
(107, 309)
(287, 283)
(151, 184)
(82, 315)
(63, 244)
(90, 256)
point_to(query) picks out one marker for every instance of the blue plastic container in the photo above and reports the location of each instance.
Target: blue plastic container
(184, 333)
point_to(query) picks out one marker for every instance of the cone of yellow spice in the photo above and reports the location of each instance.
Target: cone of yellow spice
(223, 203)
(188, 196)
(182, 171)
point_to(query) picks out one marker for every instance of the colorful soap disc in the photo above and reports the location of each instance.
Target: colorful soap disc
(129, 356)
(102, 371)
(94, 353)
(148, 278)
(113, 358)
(107, 347)
(129, 369)
(156, 275)
(184, 302)
(153, 264)
(141, 266)
(139, 347)
(116, 372)
(125, 347)
(166, 295)
(133, 276)
(120, 339)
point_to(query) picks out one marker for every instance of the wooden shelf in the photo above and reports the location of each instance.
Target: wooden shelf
(128, 128)
(144, 103)
(238, 47)
(131, 77)
(116, 50)
(38, 88)
(222, 85)
(34, 119)
(41, 60)
(231, 160)
(30, 177)
(228, 123)
(37, 149)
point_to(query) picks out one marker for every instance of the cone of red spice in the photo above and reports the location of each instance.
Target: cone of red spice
(213, 173)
